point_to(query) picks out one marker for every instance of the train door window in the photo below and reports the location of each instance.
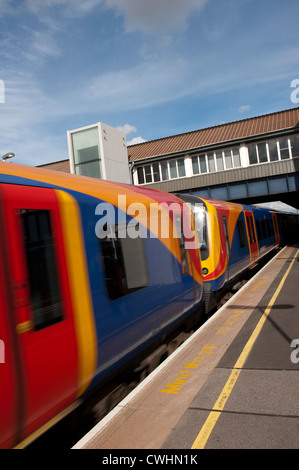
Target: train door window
(259, 231)
(264, 229)
(201, 223)
(242, 233)
(183, 251)
(125, 265)
(226, 234)
(251, 229)
(42, 268)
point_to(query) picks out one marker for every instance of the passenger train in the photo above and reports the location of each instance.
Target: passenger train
(95, 276)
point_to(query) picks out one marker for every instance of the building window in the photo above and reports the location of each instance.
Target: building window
(219, 160)
(295, 145)
(161, 171)
(140, 175)
(252, 154)
(236, 157)
(262, 152)
(274, 150)
(156, 172)
(284, 148)
(87, 157)
(211, 162)
(164, 170)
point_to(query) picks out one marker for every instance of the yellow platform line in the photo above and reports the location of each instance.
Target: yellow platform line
(218, 407)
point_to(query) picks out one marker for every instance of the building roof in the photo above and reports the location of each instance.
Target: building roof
(255, 126)
(62, 165)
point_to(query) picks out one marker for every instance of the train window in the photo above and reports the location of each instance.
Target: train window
(259, 230)
(42, 268)
(226, 234)
(183, 251)
(201, 224)
(242, 233)
(124, 262)
(264, 229)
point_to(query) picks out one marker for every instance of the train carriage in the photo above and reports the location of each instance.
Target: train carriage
(83, 294)
(233, 238)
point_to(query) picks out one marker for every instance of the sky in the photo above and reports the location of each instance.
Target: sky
(152, 68)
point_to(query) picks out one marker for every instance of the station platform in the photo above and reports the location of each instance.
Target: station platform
(233, 385)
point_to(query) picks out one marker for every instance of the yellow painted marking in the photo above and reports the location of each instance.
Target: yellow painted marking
(214, 415)
(80, 290)
(258, 285)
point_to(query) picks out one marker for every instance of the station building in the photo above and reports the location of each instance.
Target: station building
(252, 160)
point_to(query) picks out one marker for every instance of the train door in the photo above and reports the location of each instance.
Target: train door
(9, 390)
(276, 229)
(42, 305)
(190, 293)
(253, 246)
(224, 242)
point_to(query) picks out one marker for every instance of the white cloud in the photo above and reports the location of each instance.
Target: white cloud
(244, 108)
(136, 140)
(127, 129)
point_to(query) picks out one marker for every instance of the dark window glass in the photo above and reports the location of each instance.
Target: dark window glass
(201, 223)
(183, 251)
(226, 234)
(272, 144)
(262, 150)
(252, 154)
(164, 171)
(42, 268)
(295, 145)
(148, 173)
(242, 233)
(181, 167)
(264, 228)
(203, 164)
(259, 231)
(124, 259)
(156, 172)
(173, 169)
(140, 175)
(195, 166)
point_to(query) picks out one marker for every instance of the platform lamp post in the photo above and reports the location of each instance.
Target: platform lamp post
(7, 156)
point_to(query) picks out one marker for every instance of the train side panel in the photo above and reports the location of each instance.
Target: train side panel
(46, 343)
(140, 287)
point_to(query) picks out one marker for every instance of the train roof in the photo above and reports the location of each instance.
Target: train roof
(13, 173)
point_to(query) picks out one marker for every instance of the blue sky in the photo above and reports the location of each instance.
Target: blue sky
(151, 67)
